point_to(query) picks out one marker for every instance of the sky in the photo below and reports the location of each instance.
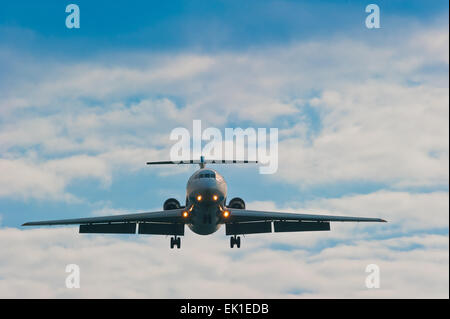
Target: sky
(363, 122)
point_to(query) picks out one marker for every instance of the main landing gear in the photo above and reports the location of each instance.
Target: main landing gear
(235, 240)
(175, 241)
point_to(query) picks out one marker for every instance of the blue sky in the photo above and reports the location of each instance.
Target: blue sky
(362, 117)
(211, 25)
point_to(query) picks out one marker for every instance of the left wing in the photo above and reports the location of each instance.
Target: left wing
(244, 215)
(242, 221)
(168, 222)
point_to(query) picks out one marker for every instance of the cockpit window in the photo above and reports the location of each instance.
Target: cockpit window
(206, 175)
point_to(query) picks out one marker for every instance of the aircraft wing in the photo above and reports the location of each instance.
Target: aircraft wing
(168, 222)
(242, 221)
(244, 215)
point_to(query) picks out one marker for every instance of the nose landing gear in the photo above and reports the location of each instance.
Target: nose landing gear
(175, 241)
(235, 240)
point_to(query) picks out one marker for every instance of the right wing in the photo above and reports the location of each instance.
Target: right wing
(168, 222)
(168, 216)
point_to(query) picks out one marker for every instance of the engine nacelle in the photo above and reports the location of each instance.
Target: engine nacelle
(236, 203)
(171, 203)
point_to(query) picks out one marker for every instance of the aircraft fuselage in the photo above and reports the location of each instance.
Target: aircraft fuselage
(206, 193)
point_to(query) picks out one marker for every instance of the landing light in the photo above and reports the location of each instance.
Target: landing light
(215, 197)
(226, 214)
(185, 214)
(199, 198)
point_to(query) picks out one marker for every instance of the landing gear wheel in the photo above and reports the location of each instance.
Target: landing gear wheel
(235, 240)
(175, 241)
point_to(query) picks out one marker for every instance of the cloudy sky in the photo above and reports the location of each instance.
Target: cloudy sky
(363, 121)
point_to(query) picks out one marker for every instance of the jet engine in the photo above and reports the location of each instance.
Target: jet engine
(171, 203)
(236, 203)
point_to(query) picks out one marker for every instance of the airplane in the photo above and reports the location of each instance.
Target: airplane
(204, 212)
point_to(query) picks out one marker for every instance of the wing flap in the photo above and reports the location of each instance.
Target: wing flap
(282, 227)
(161, 229)
(248, 228)
(119, 228)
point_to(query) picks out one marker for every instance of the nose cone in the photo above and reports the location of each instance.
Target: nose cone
(206, 187)
(207, 184)
(207, 193)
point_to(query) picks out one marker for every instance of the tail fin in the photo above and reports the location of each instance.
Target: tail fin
(202, 162)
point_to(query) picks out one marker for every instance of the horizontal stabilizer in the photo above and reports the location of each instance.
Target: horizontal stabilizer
(205, 162)
(202, 161)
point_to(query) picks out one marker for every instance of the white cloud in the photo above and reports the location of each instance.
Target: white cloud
(380, 132)
(384, 118)
(214, 270)
(406, 213)
(24, 180)
(375, 126)
(400, 131)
